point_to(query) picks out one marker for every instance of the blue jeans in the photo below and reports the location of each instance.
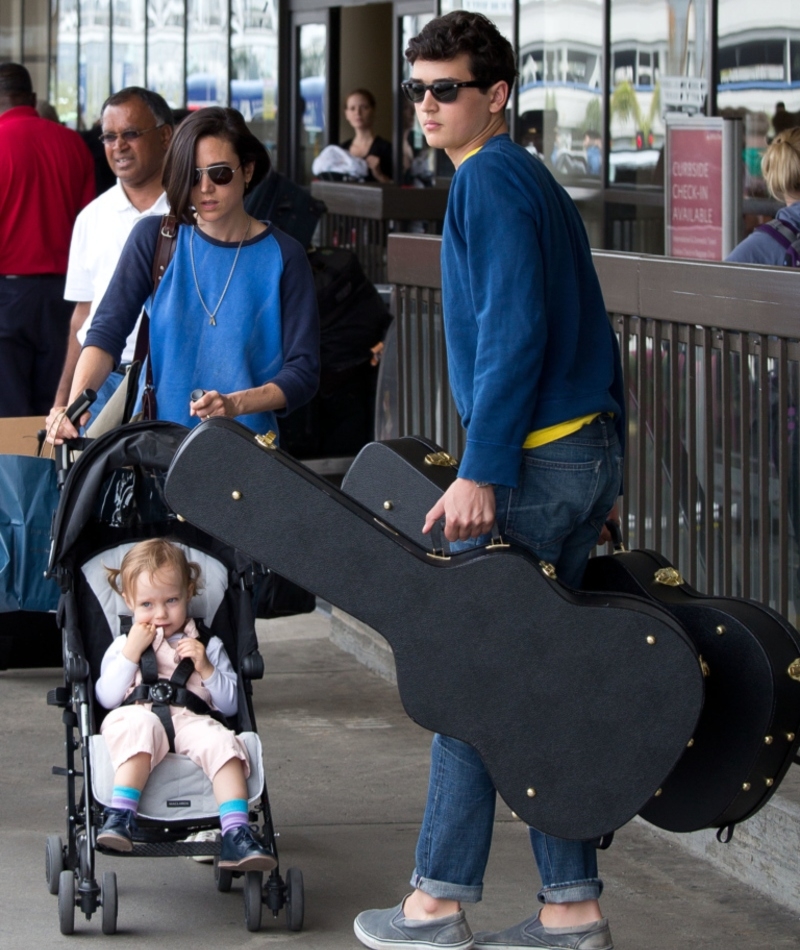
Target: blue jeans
(557, 511)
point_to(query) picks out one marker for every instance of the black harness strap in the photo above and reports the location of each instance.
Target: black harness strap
(172, 692)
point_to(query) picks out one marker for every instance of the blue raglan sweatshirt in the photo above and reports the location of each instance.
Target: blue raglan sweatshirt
(529, 341)
(266, 330)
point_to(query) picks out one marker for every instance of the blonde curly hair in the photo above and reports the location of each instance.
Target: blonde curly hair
(150, 557)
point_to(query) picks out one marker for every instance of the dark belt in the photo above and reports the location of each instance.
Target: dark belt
(33, 276)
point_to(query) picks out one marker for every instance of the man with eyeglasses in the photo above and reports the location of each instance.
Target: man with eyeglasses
(136, 129)
(535, 371)
(47, 176)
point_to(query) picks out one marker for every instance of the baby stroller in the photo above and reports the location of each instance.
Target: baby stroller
(112, 498)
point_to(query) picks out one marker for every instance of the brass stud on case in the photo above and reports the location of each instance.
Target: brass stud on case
(745, 786)
(388, 505)
(790, 736)
(690, 743)
(236, 495)
(768, 740)
(658, 792)
(651, 640)
(769, 782)
(180, 517)
(515, 815)
(721, 630)
(531, 793)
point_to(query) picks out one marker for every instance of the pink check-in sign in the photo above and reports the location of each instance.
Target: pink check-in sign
(694, 199)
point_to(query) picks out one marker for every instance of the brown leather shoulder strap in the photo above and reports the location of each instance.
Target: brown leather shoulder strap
(165, 248)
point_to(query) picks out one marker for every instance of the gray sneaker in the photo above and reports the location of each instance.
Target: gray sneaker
(389, 929)
(531, 935)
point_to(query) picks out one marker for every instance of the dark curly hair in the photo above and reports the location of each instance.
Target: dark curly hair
(179, 164)
(491, 56)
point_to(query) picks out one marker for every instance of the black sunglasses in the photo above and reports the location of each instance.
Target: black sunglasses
(219, 174)
(443, 90)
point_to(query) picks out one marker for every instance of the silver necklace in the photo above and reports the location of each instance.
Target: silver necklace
(212, 315)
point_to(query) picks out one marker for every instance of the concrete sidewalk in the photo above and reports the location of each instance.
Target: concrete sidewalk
(347, 775)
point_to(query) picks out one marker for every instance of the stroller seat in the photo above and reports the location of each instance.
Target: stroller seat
(178, 789)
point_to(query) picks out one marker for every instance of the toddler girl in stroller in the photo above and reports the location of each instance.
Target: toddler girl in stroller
(168, 682)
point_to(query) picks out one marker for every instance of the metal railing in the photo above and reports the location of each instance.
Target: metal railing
(361, 218)
(712, 374)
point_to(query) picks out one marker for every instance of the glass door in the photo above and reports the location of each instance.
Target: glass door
(313, 122)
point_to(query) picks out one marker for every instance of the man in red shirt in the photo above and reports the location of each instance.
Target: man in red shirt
(46, 178)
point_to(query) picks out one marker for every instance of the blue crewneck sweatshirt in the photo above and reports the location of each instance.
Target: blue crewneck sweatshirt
(266, 328)
(529, 341)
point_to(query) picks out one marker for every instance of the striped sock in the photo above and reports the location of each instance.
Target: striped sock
(233, 814)
(122, 796)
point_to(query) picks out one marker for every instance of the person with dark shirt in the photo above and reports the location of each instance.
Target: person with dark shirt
(359, 110)
(47, 177)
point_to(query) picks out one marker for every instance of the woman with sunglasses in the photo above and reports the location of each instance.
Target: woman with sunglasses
(359, 110)
(235, 314)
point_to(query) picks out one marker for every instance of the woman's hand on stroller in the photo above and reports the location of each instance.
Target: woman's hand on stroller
(140, 636)
(63, 421)
(194, 649)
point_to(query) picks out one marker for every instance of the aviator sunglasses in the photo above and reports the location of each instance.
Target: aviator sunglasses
(443, 90)
(219, 174)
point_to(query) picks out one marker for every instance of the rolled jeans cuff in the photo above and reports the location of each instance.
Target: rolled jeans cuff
(464, 893)
(589, 889)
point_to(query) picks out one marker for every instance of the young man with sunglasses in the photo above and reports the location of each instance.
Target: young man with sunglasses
(136, 129)
(536, 375)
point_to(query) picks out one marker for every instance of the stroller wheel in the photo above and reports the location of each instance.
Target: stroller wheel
(53, 862)
(108, 898)
(253, 881)
(295, 900)
(223, 877)
(66, 902)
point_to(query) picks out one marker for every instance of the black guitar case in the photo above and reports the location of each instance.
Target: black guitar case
(749, 729)
(401, 480)
(579, 704)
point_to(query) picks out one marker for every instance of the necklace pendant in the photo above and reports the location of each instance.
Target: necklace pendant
(212, 322)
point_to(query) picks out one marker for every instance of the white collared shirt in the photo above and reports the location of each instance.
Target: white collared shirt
(100, 233)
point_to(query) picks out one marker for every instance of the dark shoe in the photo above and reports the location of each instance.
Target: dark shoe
(531, 934)
(388, 929)
(241, 851)
(118, 829)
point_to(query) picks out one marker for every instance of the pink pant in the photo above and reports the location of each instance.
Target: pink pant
(129, 730)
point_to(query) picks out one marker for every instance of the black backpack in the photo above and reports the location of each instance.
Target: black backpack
(787, 236)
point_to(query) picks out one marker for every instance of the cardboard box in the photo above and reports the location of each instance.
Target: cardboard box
(18, 436)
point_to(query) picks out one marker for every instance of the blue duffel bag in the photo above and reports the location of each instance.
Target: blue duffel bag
(28, 498)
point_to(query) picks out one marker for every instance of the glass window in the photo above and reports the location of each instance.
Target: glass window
(560, 86)
(127, 63)
(65, 92)
(94, 59)
(10, 30)
(759, 78)
(254, 66)
(419, 161)
(312, 59)
(207, 54)
(165, 24)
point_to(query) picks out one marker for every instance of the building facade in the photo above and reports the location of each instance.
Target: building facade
(596, 80)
